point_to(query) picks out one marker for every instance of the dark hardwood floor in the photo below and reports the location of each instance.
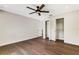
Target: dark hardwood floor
(39, 46)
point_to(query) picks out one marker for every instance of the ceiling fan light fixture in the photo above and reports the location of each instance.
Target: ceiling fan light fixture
(38, 10)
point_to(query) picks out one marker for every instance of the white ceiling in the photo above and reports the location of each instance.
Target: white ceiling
(54, 9)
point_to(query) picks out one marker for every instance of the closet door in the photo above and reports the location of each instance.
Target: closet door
(60, 29)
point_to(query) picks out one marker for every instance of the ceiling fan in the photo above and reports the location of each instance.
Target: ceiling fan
(38, 10)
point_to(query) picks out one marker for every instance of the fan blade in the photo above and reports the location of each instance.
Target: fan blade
(41, 6)
(39, 14)
(31, 8)
(45, 11)
(32, 12)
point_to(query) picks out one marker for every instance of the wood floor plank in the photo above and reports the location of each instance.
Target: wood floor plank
(39, 46)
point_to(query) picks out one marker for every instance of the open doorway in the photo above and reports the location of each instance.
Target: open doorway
(60, 30)
(47, 29)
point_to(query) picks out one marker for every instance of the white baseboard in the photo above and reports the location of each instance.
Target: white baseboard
(11, 42)
(71, 43)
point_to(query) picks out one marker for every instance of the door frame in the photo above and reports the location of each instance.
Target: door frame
(56, 31)
(46, 29)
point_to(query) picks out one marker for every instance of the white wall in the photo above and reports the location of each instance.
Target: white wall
(14, 28)
(71, 27)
